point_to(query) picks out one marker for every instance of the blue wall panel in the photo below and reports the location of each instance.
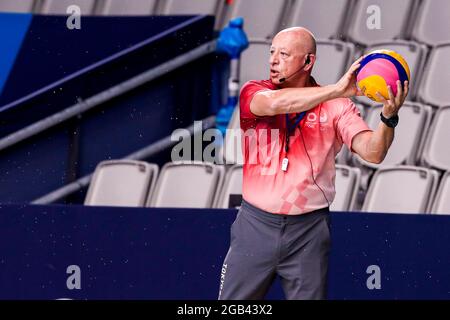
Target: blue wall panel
(13, 29)
(148, 253)
(29, 170)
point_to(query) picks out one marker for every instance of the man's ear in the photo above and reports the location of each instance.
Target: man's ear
(310, 60)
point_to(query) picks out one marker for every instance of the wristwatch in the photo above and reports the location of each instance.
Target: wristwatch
(390, 122)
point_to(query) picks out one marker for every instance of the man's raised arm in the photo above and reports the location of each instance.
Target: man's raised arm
(294, 100)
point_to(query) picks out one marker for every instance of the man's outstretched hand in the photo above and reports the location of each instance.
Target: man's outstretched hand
(346, 86)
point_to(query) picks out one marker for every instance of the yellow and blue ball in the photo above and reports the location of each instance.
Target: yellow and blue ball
(380, 69)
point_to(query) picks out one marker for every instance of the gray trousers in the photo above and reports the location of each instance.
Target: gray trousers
(264, 245)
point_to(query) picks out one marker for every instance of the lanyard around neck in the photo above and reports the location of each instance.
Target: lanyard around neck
(289, 129)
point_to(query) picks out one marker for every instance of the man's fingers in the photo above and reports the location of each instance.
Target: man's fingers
(391, 94)
(399, 96)
(359, 60)
(355, 65)
(353, 70)
(399, 89)
(382, 99)
(405, 89)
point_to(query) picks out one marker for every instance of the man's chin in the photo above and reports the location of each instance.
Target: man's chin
(275, 80)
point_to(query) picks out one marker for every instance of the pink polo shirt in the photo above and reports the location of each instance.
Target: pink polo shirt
(265, 184)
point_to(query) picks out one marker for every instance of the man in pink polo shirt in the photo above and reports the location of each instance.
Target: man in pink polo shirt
(292, 131)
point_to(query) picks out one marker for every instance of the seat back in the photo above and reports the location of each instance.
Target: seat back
(393, 18)
(333, 59)
(60, 6)
(187, 184)
(121, 183)
(436, 152)
(255, 61)
(441, 203)
(188, 7)
(311, 14)
(231, 192)
(400, 189)
(435, 83)
(433, 22)
(347, 184)
(16, 6)
(232, 150)
(128, 7)
(262, 18)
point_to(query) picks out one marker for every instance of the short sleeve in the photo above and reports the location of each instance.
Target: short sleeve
(350, 123)
(248, 91)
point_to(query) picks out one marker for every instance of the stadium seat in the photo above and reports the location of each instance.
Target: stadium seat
(230, 195)
(414, 54)
(324, 18)
(121, 183)
(435, 84)
(347, 184)
(333, 58)
(129, 7)
(400, 189)
(441, 203)
(433, 22)
(436, 151)
(255, 61)
(414, 121)
(175, 7)
(60, 6)
(232, 150)
(190, 7)
(187, 184)
(394, 17)
(16, 6)
(343, 156)
(261, 17)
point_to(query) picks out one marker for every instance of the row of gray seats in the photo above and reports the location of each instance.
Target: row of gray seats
(116, 7)
(111, 7)
(181, 184)
(361, 21)
(394, 189)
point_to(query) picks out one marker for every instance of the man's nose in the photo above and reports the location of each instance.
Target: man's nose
(273, 59)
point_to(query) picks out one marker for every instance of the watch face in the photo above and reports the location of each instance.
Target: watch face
(391, 122)
(394, 120)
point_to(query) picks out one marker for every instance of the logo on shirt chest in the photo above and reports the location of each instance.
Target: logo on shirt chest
(312, 119)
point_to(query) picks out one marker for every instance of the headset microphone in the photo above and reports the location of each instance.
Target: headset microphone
(306, 63)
